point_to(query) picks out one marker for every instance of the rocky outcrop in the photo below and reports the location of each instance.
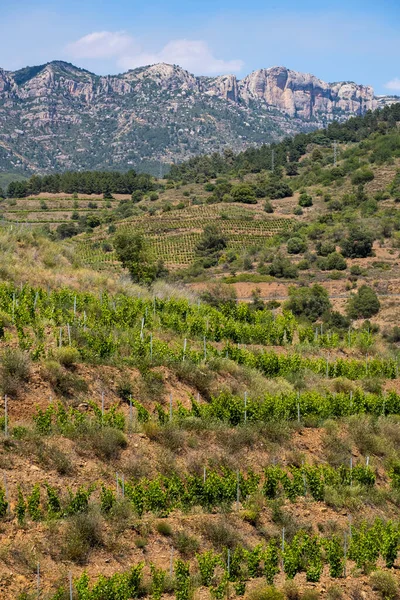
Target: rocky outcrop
(306, 96)
(225, 86)
(57, 116)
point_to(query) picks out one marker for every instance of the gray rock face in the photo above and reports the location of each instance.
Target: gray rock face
(303, 95)
(57, 116)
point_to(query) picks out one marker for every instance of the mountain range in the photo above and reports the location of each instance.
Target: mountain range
(57, 116)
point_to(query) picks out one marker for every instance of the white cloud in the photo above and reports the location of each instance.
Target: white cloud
(393, 84)
(194, 55)
(102, 44)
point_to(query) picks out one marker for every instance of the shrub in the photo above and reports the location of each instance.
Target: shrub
(277, 188)
(335, 261)
(291, 591)
(282, 267)
(187, 545)
(358, 244)
(356, 270)
(244, 192)
(164, 528)
(268, 208)
(67, 356)
(83, 533)
(125, 388)
(106, 442)
(62, 381)
(310, 302)
(150, 385)
(334, 593)
(298, 211)
(305, 200)
(220, 534)
(310, 595)
(15, 370)
(363, 304)
(362, 176)
(385, 584)
(296, 245)
(265, 593)
(325, 248)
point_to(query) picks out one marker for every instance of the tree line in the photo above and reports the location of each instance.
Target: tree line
(285, 154)
(84, 182)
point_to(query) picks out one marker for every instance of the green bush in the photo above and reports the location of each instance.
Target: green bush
(67, 356)
(364, 304)
(324, 248)
(164, 528)
(62, 381)
(305, 200)
(265, 593)
(281, 267)
(244, 192)
(296, 245)
(358, 244)
(335, 261)
(310, 302)
(220, 534)
(362, 176)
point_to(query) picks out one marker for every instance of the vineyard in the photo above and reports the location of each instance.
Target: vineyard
(173, 239)
(128, 442)
(162, 438)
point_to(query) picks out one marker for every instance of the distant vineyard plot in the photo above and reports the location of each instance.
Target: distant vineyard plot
(173, 236)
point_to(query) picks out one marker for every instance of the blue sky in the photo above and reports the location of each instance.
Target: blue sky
(342, 40)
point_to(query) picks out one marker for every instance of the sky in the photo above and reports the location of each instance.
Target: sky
(345, 40)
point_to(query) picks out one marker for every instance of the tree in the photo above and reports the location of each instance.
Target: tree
(277, 188)
(211, 245)
(362, 176)
(311, 302)
(358, 244)
(132, 250)
(137, 196)
(2, 194)
(66, 230)
(335, 261)
(296, 245)
(244, 193)
(281, 267)
(364, 304)
(305, 200)
(220, 295)
(107, 195)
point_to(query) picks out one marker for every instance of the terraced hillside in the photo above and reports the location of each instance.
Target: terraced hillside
(168, 440)
(173, 236)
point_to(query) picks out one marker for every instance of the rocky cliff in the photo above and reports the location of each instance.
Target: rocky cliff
(57, 116)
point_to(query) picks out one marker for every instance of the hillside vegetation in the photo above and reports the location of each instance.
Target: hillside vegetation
(161, 437)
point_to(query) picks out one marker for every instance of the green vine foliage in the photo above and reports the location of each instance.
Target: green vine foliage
(20, 508)
(158, 577)
(182, 579)
(3, 503)
(33, 503)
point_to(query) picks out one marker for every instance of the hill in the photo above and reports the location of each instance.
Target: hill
(57, 116)
(175, 440)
